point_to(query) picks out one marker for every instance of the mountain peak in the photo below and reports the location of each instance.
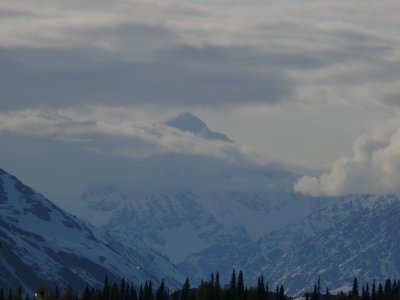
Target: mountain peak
(188, 122)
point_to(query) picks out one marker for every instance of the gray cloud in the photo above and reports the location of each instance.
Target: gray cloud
(392, 99)
(57, 78)
(190, 54)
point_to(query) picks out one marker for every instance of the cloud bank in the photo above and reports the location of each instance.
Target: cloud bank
(186, 53)
(111, 137)
(374, 167)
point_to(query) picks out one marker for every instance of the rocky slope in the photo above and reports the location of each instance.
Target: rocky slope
(41, 242)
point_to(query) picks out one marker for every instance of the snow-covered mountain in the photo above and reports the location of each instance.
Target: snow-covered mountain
(179, 224)
(346, 237)
(190, 123)
(42, 243)
(210, 214)
(288, 238)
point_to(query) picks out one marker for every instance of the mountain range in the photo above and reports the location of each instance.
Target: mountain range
(174, 215)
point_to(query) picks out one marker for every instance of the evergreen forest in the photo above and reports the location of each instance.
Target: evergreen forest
(211, 289)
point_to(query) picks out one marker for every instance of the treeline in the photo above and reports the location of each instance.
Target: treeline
(211, 289)
(390, 290)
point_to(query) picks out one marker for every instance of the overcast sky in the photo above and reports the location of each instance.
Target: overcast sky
(313, 83)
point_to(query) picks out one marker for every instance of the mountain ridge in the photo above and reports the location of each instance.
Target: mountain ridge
(217, 229)
(42, 243)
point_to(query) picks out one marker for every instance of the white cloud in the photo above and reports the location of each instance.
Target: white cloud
(373, 168)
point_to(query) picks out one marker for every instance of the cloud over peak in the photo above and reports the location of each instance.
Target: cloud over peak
(115, 137)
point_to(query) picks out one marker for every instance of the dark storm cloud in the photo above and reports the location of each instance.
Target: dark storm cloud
(392, 99)
(11, 13)
(150, 67)
(109, 57)
(183, 76)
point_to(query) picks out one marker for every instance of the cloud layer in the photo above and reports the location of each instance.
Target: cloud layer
(374, 167)
(185, 53)
(121, 138)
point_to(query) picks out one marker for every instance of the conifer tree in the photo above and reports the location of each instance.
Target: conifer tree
(354, 290)
(367, 295)
(314, 295)
(57, 293)
(19, 294)
(232, 286)
(150, 293)
(186, 290)
(40, 291)
(162, 292)
(281, 293)
(260, 288)
(175, 295)
(122, 289)
(394, 287)
(380, 292)
(86, 294)
(1, 293)
(363, 293)
(114, 293)
(217, 288)
(240, 286)
(68, 293)
(327, 294)
(388, 288)
(373, 291)
(132, 293)
(205, 291)
(147, 291)
(341, 296)
(106, 289)
(140, 296)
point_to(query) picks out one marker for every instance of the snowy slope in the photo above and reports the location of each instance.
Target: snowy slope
(179, 224)
(339, 239)
(347, 237)
(291, 239)
(41, 242)
(209, 215)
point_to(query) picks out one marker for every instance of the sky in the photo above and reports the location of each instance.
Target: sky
(311, 84)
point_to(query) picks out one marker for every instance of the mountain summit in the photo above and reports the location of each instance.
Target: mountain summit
(190, 123)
